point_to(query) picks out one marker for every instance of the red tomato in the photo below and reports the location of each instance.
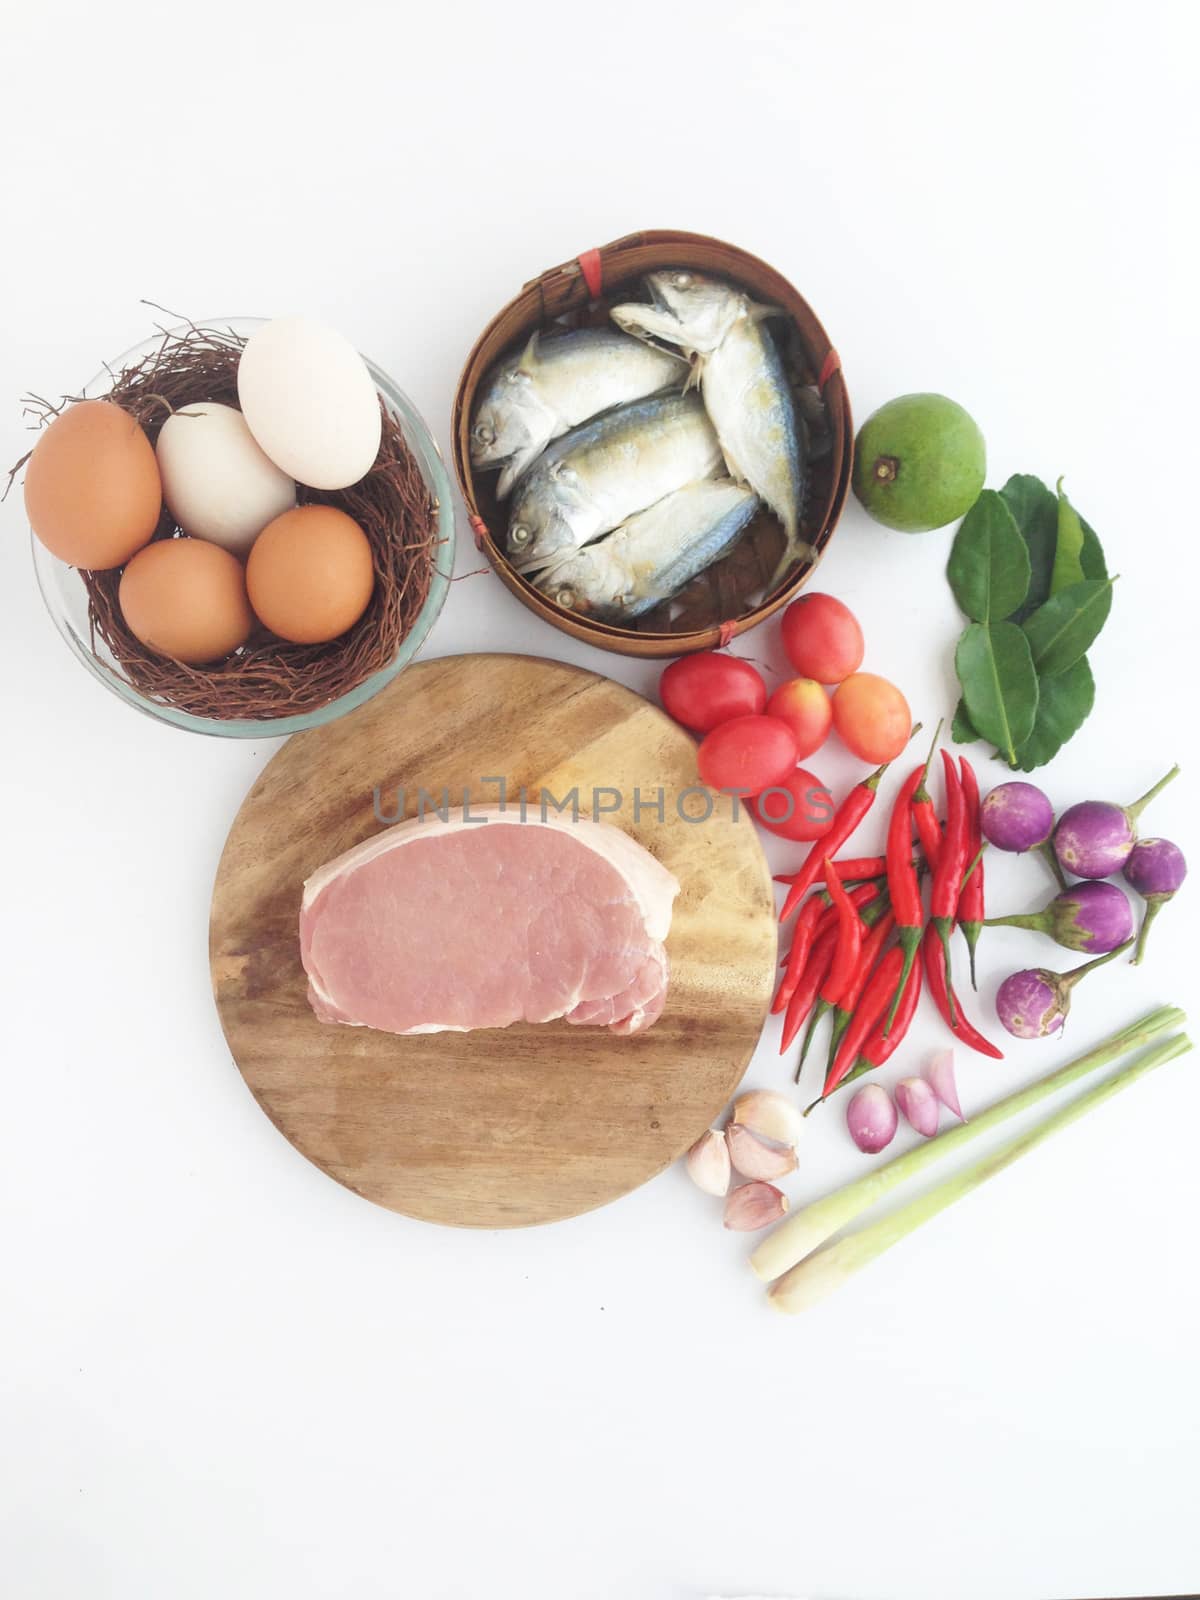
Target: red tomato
(872, 717)
(706, 689)
(747, 754)
(804, 706)
(822, 638)
(800, 807)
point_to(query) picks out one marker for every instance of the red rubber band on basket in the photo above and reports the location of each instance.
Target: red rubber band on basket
(831, 364)
(725, 635)
(480, 530)
(592, 268)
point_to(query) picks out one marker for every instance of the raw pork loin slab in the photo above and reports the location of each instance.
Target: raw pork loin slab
(436, 925)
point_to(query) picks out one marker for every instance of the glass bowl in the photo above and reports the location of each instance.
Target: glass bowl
(66, 598)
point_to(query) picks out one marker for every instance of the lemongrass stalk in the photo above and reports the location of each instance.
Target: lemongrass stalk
(812, 1225)
(821, 1273)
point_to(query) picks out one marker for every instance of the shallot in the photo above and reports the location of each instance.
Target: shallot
(871, 1118)
(919, 1105)
(940, 1073)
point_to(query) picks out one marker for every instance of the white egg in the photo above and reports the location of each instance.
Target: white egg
(217, 482)
(310, 402)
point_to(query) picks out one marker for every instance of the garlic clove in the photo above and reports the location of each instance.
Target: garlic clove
(754, 1205)
(770, 1115)
(756, 1158)
(707, 1162)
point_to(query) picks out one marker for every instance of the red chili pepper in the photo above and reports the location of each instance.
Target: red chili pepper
(818, 1012)
(822, 914)
(849, 939)
(804, 997)
(971, 910)
(872, 915)
(902, 874)
(850, 869)
(952, 863)
(844, 1009)
(929, 830)
(880, 1046)
(868, 1014)
(802, 941)
(880, 921)
(849, 814)
(934, 957)
(903, 884)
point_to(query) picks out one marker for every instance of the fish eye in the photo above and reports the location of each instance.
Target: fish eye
(484, 434)
(520, 534)
(565, 598)
(683, 280)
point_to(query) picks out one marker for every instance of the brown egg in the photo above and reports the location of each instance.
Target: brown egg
(92, 490)
(310, 574)
(186, 598)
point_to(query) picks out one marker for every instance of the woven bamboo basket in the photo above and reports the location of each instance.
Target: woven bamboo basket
(720, 602)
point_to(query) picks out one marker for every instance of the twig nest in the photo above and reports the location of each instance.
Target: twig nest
(262, 676)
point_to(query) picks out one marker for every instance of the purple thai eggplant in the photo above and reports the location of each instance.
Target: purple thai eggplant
(1017, 817)
(1094, 838)
(1093, 917)
(1156, 869)
(1034, 1004)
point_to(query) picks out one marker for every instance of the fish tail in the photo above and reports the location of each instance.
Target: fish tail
(795, 552)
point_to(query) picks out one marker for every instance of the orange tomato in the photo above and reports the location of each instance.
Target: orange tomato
(803, 704)
(871, 717)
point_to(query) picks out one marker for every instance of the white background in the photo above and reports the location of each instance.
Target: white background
(222, 1374)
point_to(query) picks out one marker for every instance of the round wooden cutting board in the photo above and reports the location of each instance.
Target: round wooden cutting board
(499, 1127)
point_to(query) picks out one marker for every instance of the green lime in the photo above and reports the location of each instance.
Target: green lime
(919, 463)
